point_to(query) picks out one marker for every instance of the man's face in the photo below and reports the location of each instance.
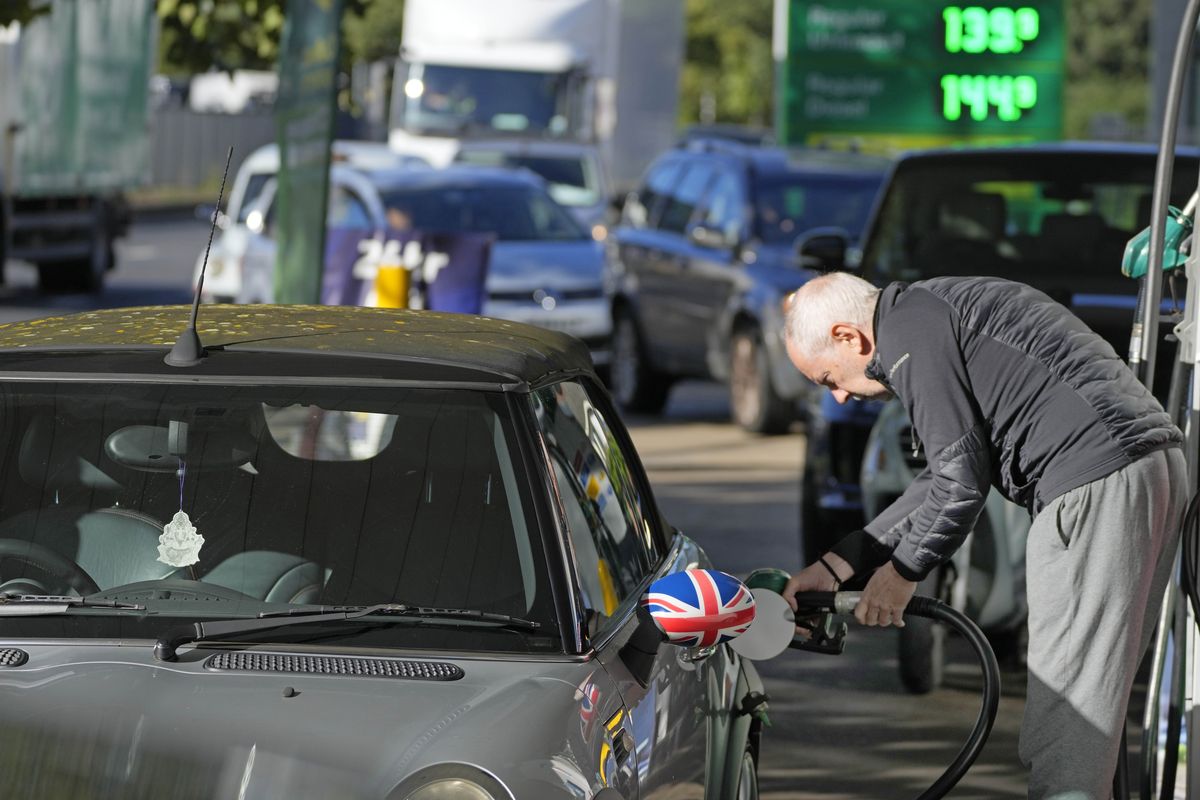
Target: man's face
(842, 368)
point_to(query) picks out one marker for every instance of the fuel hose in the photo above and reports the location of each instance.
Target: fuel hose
(844, 603)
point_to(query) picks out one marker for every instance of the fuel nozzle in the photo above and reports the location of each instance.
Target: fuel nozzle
(816, 615)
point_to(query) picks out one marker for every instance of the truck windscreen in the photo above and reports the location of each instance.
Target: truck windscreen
(466, 100)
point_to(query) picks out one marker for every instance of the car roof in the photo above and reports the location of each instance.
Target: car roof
(780, 160)
(427, 346)
(534, 147)
(1069, 148)
(459, 176)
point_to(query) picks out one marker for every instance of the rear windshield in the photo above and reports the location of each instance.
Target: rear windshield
(571, 181)
(1023, 216)
(787, 206)
(511, 213)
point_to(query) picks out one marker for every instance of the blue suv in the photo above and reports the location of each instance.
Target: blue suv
(706, 250)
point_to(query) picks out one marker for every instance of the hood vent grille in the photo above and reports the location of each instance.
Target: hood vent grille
(336, 665)
(12, 657)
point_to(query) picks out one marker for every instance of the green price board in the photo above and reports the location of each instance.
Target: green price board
(915, 72)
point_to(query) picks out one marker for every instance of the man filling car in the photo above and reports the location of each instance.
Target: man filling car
(1006, 387)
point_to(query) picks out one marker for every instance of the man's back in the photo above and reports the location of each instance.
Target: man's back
(1058, 406)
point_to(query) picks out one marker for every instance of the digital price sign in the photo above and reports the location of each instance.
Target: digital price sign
(919, 71)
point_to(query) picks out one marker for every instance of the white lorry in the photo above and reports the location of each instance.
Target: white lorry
(604, 72)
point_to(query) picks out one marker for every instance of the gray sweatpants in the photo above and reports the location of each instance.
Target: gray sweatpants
(1098, 561)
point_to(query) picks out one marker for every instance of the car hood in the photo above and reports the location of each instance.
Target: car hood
(775, 266)
(113, 721)
(575, 264)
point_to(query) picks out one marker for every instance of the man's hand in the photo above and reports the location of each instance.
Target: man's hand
(817, 578)
(885, 598)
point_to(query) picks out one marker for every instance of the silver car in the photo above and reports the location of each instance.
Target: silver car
(348, 552)
(986, 577)
(544, 269)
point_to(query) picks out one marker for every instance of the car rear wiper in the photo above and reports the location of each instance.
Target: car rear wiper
(169, 642)
(17, 605)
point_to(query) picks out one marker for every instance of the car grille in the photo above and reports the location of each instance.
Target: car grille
(12, 657)
(336, 665)
(915, 461)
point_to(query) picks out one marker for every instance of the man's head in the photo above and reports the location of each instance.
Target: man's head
(831, 334)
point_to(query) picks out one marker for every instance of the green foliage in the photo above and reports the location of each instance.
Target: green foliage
(1108, 62)
(199, 35)
(374, 34)
(21, 11)
(727, 64)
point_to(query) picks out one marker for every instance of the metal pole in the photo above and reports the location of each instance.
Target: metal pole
(1144, 341)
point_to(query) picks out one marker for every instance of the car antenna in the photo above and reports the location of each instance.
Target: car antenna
(188, 351)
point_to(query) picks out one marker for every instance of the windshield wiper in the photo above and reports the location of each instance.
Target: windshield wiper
(169, 642)
(15, 605)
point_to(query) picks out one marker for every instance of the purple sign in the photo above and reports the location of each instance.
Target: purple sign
(406, 269)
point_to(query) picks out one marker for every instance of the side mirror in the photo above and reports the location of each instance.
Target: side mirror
(822, 249)
(699, 607)
(209, 212)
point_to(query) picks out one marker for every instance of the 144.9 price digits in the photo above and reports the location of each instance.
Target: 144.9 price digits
(1009, 95)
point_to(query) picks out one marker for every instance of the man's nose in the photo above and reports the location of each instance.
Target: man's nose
(841, 395)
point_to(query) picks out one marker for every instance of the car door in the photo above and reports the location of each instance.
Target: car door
(683, 297)
(714, 271)
(617, 551)
(638, 247)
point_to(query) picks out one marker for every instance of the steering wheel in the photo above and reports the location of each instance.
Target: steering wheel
(51, 562)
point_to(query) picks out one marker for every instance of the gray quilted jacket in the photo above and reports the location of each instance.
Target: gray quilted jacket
(1005, 388)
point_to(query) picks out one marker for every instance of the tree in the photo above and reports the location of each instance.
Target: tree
(199, 35)
(727, 71)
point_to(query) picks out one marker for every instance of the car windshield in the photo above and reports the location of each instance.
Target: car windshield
(789, 205)
(448, 99)
(571, 180)
(1024, 216)
(231, 501)
(510, 212)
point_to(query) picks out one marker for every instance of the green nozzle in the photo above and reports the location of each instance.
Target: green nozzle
(768, 578)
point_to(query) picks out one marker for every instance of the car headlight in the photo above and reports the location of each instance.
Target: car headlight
(450, 782)
(451, 789)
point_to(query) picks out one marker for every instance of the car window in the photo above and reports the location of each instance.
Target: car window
(1028, 217)
(642, 207)
(724, 206)
(301, 495)
(608, 521)
(683, 201)
(571, 180)
(790, 204)
(254, 187)
(511, 213)
(346, 209)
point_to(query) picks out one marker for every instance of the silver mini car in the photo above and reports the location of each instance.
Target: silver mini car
(347, 553)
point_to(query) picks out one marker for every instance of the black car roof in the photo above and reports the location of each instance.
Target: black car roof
(1118, 149)
(343, 340)
(766, 160)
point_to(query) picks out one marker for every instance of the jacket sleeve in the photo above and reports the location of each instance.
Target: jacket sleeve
(869, 548)
(921, 349)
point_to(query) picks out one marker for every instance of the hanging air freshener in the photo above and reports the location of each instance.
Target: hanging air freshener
(179, 545)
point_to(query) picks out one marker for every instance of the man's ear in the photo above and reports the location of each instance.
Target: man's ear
(851, 336)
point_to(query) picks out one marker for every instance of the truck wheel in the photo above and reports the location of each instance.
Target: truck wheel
(922, 649)
(755, 404)
(636, 386)
(78, 275)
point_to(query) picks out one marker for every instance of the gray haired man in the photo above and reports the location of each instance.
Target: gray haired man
(1007, 388)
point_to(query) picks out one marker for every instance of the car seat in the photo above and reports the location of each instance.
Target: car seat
(968, 227)
(113, 544)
